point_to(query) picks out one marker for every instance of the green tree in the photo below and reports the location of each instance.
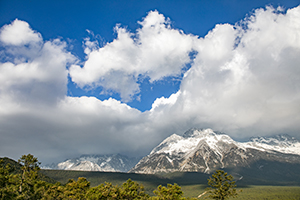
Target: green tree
(54, 192)
(222, 185)
(132, 190)
(103, 191)
(28, 180)
(40, 189)
(170, 192)
(6, 185)
(76, 189)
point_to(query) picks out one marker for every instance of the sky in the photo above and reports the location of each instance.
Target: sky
(105, 77)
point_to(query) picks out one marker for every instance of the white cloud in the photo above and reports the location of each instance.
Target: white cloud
(32, 74)
(41, 79)
(19, 33)
(37, 117)
(252, 88)
(156, 51)
(160, 102)
(244, 89)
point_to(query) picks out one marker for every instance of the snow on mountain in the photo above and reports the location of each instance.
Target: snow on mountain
(82, 166)
(205, 150)
(201, 150)
(106, 163)
(182, 145)
(281, 143)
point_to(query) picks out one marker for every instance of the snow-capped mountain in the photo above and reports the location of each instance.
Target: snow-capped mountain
(281, 143)
(106, 163)
(204, 150)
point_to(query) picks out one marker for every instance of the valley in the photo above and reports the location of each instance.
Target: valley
(254, 185)
(255, 182)
(262, 167)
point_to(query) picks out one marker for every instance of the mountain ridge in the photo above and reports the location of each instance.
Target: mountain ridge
(196, 150)
(97, 162)
(203, 150)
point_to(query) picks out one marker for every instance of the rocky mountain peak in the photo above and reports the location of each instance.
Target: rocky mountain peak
(194, 132)
(204, 150)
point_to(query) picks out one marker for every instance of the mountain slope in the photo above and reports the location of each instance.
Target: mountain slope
(203, 150)
(16, 169)
(105, 163)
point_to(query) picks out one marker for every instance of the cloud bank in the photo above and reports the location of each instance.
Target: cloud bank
(243, 79)
(155, 51)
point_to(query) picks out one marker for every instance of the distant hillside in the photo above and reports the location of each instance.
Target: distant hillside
(16, 169)
(14, 165)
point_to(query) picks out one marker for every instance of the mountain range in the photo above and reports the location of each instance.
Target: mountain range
(203, 150)
(105, 163)
(197, 150)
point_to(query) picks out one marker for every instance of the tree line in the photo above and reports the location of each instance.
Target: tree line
(27, 185)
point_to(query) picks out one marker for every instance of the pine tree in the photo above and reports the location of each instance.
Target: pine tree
(6, 186)
(171, 192)
(222, 185)
(132, 190)
(76, 189)
(29, 176)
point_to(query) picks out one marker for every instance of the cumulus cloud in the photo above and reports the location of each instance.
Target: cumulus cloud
(243, 81)
(33, 78)
(39, 77)
(155, 51)
(249, 87)
(37, 117)
(19, 33)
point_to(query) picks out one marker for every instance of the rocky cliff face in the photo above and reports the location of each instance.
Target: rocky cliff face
(203, 150)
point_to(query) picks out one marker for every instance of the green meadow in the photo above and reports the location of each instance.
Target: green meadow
(257, 192)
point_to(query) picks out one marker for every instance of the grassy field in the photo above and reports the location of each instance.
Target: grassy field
(192, 184)
(257, 192)
(270, 192)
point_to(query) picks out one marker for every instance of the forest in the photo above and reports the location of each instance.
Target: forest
(25, 180)
(28, 183)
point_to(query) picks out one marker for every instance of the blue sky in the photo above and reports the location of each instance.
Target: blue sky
(70, 21)
(120, 76)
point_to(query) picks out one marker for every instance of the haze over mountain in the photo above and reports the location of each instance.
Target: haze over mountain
(104, 163)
